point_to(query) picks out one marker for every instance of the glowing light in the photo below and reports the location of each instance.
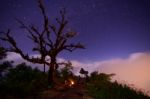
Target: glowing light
(72, 82)
(69, 82)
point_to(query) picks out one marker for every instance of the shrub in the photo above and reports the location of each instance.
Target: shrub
(23, 81)
(100, 87)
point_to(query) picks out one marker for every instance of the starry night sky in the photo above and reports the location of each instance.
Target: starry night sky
(107, 28)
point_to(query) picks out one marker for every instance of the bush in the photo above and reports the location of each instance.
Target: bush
(23, 81)
(100, 87)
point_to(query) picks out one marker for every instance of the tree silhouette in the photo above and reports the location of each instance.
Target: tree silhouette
(85, 73)
(49, 42)
(2, 52)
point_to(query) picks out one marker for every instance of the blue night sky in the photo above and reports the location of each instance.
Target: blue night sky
(107, 28)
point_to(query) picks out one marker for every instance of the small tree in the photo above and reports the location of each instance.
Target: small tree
(5, 65)
(4, 68)
(66, 72)
(84, 72)
(52, 40)
(2, 53)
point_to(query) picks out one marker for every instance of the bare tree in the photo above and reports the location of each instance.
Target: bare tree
(45, 44)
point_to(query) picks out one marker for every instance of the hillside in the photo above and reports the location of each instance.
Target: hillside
(23, 82)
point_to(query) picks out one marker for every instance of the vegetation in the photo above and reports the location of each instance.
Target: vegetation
(2, 52)
(51, 41)
(22, 81)
(100, 87)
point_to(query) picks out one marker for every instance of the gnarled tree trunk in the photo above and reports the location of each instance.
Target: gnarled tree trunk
(51, 72)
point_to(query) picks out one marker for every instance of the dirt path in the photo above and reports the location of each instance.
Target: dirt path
(71, 93)
(67, 93)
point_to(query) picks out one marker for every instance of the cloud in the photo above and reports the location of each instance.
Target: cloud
(17, 60)
(134, 69)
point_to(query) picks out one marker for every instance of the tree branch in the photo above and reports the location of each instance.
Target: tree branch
(14, 48)
(71, 47)
(46, 21)
(45, 45)
(60, 36)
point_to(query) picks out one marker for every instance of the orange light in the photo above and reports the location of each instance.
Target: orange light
(69, 82)
(72, 82)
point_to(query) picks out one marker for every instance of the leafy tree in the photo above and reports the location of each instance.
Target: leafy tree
(100, 79)
(51, 41)
(2, 52)
(4, 68)
(5, 65)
